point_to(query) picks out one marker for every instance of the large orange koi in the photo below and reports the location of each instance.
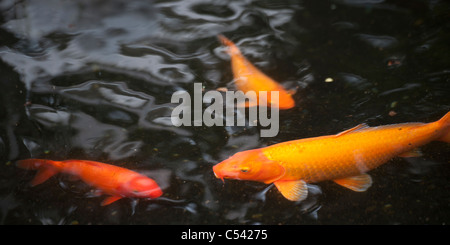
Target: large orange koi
(248, 78)
(111, 180)
(344, 158)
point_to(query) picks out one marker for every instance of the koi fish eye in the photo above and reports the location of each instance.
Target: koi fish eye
(245, 169)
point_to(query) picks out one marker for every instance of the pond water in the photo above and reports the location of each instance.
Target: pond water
(94, 81)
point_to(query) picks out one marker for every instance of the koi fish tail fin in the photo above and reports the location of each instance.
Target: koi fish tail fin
(46, 169)
(232, 49)
(444, 122)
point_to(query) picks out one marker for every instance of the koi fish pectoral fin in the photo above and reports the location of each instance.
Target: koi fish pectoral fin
(358, 183)
(416, 152)
(293, 190)
(291, 91)
(110, 200)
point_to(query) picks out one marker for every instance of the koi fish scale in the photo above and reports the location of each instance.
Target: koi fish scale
(249, 78)
(344, 158)
(111, 180)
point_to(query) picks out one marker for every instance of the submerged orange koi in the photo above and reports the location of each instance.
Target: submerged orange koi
(344, 158)
(248, 78)
(111, 180)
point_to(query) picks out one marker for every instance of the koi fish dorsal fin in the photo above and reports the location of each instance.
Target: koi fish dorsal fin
(90, 163)
(293, 190)
(352, 130)
(358, 183)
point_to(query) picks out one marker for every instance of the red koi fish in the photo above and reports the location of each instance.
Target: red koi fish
(248, 78)
(344, 158)
(109, 179)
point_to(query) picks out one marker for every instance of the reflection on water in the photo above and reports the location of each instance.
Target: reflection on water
(88, 80)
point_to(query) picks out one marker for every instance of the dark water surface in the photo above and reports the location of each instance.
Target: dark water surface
(90, 80)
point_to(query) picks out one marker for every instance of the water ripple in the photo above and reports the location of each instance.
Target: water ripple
(89, 80)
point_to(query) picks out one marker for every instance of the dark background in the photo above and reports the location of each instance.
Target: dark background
(89, 80)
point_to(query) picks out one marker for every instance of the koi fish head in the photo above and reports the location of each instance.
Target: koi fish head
(142, 187)
(249, 165)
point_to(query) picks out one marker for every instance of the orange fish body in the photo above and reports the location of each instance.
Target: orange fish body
(248, 78)
(117, 182)
(344, 158)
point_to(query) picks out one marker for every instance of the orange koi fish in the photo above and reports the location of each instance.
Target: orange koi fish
(248, 78)
(109, 179)
(344, 158)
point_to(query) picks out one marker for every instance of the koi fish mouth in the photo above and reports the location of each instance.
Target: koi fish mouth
(219, 177)
(225, 175)
(220, 173)
(153, 193)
